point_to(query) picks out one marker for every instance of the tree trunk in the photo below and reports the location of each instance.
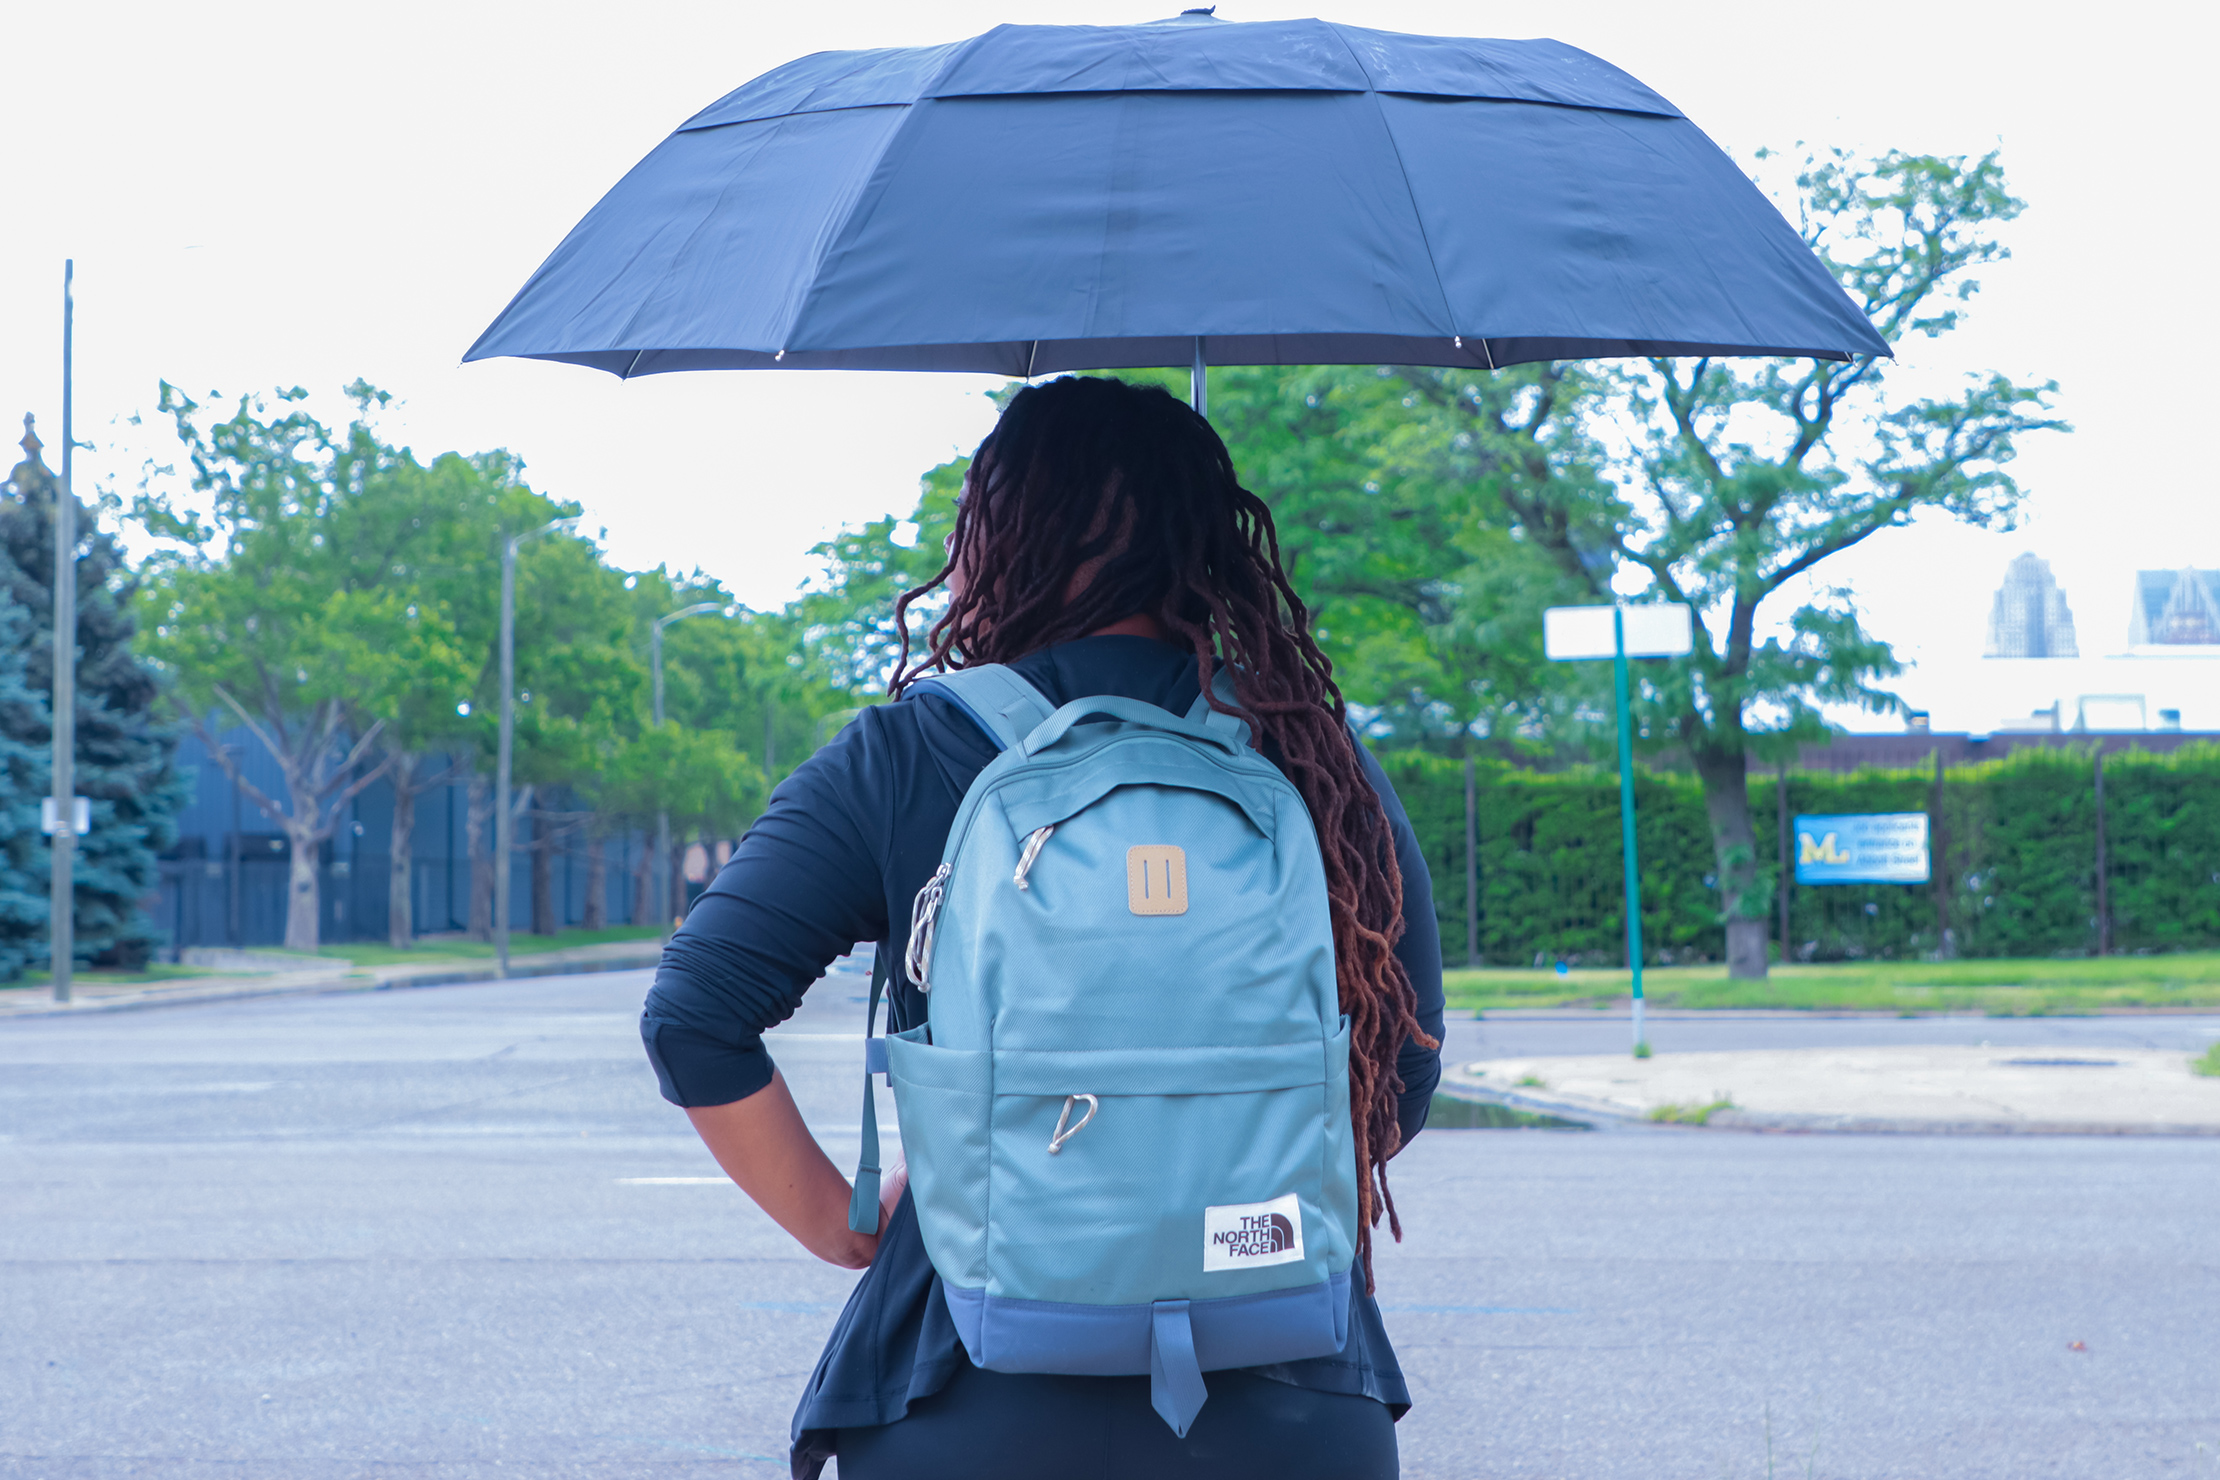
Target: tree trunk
(597, 881)
(400, 917)
(478, 818)
(1745, 893)
(303, 899)
(543, 878)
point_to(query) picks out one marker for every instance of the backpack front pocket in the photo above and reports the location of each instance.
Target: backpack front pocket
(1194, 1173)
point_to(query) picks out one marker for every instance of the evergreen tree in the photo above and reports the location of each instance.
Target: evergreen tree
(125, 758)
(25, 778)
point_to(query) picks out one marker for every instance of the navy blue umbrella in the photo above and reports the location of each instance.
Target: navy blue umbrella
(1046, 198)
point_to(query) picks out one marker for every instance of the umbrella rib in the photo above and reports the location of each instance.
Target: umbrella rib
(1441, 290)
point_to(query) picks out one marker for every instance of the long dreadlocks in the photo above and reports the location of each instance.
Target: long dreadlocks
(1094, 501)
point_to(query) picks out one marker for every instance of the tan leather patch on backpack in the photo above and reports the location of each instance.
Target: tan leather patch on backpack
(1156, 879)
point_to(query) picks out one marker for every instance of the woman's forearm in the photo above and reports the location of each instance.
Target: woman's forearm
(763, 1145)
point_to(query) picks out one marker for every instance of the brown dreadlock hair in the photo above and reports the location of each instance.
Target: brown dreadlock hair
(1093, 501)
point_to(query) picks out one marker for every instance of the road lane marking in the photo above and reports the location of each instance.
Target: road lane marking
(1484, 1310)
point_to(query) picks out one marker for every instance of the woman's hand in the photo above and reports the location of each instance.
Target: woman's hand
(763, 1145)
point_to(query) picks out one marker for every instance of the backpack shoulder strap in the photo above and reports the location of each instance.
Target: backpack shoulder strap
(1221, 684)
(1002, 704)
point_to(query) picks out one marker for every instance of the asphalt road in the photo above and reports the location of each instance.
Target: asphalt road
(419, 1233)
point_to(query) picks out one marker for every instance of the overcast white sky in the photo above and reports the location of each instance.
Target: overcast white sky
(277, 194)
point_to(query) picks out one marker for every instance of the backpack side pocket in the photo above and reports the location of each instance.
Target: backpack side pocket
(943, 1098)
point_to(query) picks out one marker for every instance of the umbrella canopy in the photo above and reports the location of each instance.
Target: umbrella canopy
(1046, 198)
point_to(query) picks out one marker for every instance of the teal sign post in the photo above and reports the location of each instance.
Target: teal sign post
(1619, 632)
(1862, 848)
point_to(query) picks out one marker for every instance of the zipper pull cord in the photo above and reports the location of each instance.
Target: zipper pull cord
(1032, 851)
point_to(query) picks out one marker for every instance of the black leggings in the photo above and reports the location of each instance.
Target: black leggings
(1032, 1426)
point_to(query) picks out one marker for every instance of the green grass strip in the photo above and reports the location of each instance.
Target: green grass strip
(433, 949)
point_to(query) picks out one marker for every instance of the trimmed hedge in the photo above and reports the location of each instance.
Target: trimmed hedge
(2017, 848)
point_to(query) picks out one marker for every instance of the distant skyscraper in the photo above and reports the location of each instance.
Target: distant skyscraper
(2176, 608)
(2029, 618)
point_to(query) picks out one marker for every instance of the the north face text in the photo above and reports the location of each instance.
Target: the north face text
(1252, 1235)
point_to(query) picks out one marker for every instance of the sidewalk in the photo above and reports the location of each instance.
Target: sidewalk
(1933, 1090)
(314, 977)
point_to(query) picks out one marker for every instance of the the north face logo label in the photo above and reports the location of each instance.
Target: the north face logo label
(1252, 1235)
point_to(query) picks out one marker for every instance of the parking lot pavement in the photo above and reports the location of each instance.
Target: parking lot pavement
(453, 1232)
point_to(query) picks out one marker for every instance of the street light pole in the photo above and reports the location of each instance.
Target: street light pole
(503, 824)
(663, 882)
(61, 929)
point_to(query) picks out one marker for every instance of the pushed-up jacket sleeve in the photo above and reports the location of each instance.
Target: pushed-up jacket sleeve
(803, 886)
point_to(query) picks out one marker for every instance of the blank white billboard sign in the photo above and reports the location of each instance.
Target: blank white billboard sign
(1655, 630)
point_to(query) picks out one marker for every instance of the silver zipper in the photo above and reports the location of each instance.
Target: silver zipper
(1057, 1138)
(917, 959)
(1033, 844)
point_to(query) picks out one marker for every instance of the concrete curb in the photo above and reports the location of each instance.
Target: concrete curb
(320, 984)
(1458, 1085)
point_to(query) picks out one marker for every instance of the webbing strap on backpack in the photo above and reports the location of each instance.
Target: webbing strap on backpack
(863, 1202)
(1002, 704)
(1008, 708)
(1200, 712)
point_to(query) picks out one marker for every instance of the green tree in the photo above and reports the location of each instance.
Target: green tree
(1389, 491)
(1422, 589)
(845, 627)
(437, 529)
(124, 756)
(582, 691)
(25, 780)
(1743, 477)
(702, 779)
(275, 598)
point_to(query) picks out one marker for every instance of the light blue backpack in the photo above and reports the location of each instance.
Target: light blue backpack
(1127, 1120)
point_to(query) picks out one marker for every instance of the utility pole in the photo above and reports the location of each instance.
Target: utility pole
(61, 929)
(503, 824)
(664, 889)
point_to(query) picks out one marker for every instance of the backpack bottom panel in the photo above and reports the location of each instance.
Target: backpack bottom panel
(1003, 1334)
